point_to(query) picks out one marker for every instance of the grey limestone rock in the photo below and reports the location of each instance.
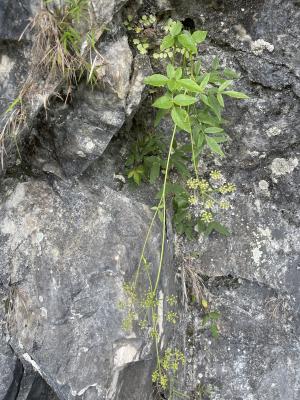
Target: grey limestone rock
(70, 253)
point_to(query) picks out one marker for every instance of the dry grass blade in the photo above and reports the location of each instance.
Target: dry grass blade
(59, 55)
(192, 284)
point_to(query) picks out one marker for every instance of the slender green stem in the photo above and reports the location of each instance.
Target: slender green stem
(163, 200)
(145, 244)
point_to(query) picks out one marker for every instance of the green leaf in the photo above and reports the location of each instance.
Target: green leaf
(215, 106)
(204, 82)
(170, 71)
(176, 28)
(215, 64)
(184, 100)
(163, 102)
(181, 118)
(216, 226)
(178, 73)
(186, 40)
(154, 171)
(224, 86)
(213, 145)
(197, 67)
(214, 331)
(167, 42)
(204, 99)
(206, 118)
(199, 36)
(230, 73)
(221, 139)
(214, 315)
(137, 174)
(214, 129)
(171, 188)
(156, 80)
(220, 99)
(172, 85)
(236, 95)
(189, 84)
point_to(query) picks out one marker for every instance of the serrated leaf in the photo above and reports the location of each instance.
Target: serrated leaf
(176, 28)
(199, 36)
(187, 42)
(189, 84)
(181, 118)
(204, 82)
(167, 42)
(184, 100)
(214, 129)
(236, 95)
(213, 145)
(163, 102)
(156, 80)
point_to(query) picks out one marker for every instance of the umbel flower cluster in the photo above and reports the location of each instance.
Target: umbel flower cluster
(207, 197)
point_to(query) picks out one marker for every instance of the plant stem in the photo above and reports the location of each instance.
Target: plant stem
(163, 200)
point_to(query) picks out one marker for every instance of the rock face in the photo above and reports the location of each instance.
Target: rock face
(252, 277)
(78, 133)
(71, 252)
(71, 230)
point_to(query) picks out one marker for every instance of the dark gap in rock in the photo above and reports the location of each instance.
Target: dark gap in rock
(40, 390)
(189, 24)
(14, 389)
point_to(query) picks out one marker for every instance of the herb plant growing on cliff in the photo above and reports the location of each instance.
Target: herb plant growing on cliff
(193, 98)
(63, 53)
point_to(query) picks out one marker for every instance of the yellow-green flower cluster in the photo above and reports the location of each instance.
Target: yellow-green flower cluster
(148, 20)
(172, 317)
(227, 188)
(169, 24)
(149, 300)
(224, 204)
(215, 175)
(145, 22)
(169, 366)
(143, 324)
(128, 23)
(171, 300)
(206, 217)
(160, 379)
(163, 54)
(192, 183)
(209, 203)
(142, 46)
(193, 200)
(203, 186)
